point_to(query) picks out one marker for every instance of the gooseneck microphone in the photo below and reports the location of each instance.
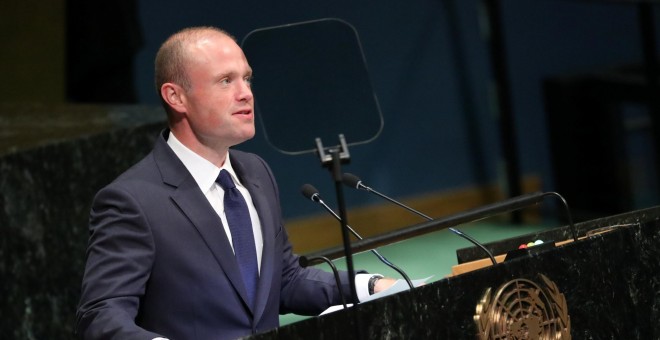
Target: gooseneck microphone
(481, 212)
(310, 192)
(355, 182)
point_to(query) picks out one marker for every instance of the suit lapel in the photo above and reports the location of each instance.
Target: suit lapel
(192, 202)
(254, 185)
(198, 210)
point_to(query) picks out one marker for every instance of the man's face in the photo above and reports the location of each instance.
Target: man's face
(219, 103)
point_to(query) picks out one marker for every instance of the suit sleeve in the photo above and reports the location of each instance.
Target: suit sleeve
(309, 291)
(305, 291)
(119, 257)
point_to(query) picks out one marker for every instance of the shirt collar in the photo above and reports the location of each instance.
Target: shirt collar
(203, 171)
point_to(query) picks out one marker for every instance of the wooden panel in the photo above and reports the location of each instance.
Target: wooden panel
(33, 51)
(322, 231)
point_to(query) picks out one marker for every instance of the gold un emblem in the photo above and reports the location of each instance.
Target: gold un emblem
(522, 309)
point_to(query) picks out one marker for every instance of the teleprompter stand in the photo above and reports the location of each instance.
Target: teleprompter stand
(333, 158)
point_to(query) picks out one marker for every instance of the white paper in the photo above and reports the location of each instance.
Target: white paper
(398, 286)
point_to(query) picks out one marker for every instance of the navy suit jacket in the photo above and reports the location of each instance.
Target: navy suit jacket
(159, 262)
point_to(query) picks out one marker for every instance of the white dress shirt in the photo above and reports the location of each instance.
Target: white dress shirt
(205, 174)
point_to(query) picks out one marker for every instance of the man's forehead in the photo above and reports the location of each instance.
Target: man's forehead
(206, 52)
(212, 42)
(209, 37)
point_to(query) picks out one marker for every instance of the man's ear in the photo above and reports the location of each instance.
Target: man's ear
(174, 96)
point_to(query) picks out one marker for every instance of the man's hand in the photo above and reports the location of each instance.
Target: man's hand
(383, 284)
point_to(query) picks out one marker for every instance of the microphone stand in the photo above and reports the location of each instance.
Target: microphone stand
(475, 214)
(384, 260)
(427, 217)
(333, 161)
(304, 261)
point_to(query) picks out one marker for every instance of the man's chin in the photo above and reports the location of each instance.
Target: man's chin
(244, 138)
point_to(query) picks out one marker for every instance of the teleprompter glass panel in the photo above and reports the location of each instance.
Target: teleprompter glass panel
(311, 81)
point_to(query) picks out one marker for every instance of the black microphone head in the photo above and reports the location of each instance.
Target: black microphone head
(310, 192)
(351, 180)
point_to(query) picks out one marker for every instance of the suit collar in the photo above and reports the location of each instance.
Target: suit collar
(204, 172)
(171, 168)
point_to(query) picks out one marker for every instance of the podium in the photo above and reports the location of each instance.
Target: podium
(606, 285)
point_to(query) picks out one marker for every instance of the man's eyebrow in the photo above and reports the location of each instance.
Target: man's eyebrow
(223, 75)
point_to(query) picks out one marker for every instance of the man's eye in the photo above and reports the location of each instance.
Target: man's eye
(225, 81)
(248, 80)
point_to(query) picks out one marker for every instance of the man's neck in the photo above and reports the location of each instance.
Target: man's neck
(214, 154)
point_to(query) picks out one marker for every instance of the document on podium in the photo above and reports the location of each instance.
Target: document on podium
(398, 286)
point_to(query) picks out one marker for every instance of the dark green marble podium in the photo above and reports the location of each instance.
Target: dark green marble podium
(609, 282)
(53, 159)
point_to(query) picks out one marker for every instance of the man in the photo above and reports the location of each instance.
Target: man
(164, 259)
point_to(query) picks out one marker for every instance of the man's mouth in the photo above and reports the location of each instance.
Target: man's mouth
(243, 112)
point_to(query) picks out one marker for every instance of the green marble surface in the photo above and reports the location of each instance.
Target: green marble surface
(23, 127)
(52, 161)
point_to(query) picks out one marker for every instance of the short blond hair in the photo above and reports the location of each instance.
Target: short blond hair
(171, 57)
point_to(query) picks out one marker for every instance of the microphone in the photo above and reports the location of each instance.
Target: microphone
(355, 182)
(481, 212)
(305, 261)
(310, 192)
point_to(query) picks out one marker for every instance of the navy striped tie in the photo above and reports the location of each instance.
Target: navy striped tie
(240, 225)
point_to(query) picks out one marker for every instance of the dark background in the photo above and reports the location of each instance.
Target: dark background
(434, 76)
(79, 76)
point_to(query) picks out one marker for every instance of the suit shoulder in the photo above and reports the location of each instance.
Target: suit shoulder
(143, 170)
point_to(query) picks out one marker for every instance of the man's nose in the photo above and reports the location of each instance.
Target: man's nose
(244, 92)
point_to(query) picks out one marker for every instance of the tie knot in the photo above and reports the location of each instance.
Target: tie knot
(225, 181)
